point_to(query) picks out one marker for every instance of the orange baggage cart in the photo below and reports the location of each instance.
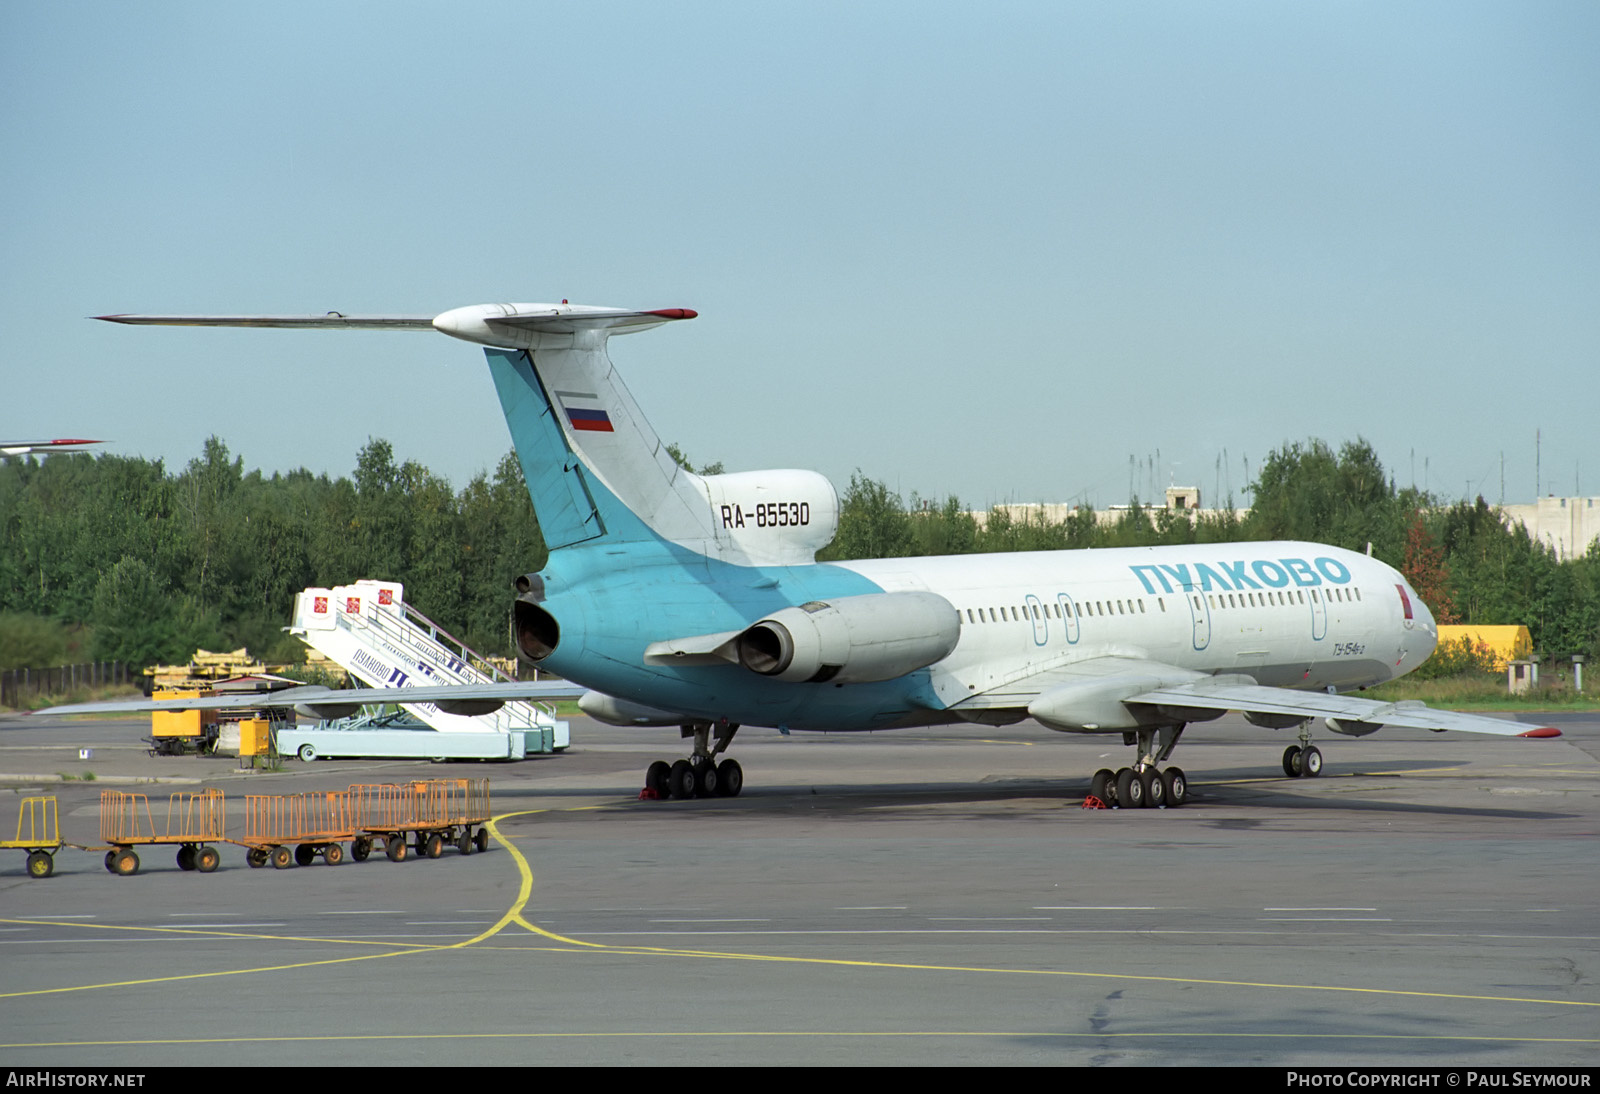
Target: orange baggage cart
(193, 821)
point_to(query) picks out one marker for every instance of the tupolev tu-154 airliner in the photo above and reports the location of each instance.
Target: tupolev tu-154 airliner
(677, 599)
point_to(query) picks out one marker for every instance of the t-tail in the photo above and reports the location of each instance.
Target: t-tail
(597, 473)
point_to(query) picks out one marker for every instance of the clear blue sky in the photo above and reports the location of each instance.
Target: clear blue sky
(986, 250)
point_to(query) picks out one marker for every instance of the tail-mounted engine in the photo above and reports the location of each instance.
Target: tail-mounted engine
(851, 639)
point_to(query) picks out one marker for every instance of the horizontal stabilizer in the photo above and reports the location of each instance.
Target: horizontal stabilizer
(328, 321)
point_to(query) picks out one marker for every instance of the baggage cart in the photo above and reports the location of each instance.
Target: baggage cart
(293, 829)
(38, 833)
(193, 821)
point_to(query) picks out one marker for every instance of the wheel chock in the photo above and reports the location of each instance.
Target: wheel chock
(1092, 802)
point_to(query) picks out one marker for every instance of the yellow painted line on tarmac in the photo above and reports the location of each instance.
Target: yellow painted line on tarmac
(211, 933)
(514, 914)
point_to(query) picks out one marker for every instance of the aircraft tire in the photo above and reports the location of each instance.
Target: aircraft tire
(1104, 786)
(1177, 786)
(1311, 762)
(1130, 791)
(658, 779)
(730, 779)
(705, 779)
(681, 782)
(1291, 761)
(1153, 789)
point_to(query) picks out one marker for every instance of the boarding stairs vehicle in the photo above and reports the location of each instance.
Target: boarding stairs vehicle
(369, 630)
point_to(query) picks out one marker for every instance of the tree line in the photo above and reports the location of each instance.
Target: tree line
(106, 557)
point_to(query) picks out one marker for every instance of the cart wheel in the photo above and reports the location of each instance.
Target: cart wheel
(305, 854)
(111, 857)
(125, 863)
(434, 846)
(256, 857)
(481, 840)
(206, 860)
(333, 854)
(186, 857)
(464, 841)
(282, 857)
(395, 848)
(40, 864)
(360, 848)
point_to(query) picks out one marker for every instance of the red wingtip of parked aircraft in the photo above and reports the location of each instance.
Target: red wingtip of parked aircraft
(675, 313)
(1542, 731)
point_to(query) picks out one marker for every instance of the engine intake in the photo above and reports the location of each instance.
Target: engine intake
(852, 639)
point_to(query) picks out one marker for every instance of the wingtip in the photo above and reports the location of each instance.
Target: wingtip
(1542, 731)
(675, 313)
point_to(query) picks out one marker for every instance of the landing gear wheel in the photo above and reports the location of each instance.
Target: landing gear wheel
(186, 857)
(705, 779)
(481, 840)
(1104, 786)
(360, 848)
(730, 779)
(1291, 761)
(1176, 784)
(307, 753)
(464, 841)
(681, 782)
(40, 864)
(433, 846)
(657, 779)
(395, 848)
(304, 854)
(1155, 791)
(206, 860)
(282, 858)
(125, 863)
(333, 854)
(1311, 762)
(1130, 789)
(256, 858)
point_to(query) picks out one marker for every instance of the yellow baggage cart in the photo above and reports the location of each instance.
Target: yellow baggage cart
(39, 834)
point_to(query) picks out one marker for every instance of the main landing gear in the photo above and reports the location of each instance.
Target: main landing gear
(1303, 760)
(1143, 785)
(701, 775)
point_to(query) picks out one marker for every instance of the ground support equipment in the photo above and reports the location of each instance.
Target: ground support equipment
(194, 820)
(293, 829)
(431, 812)
(38, 833)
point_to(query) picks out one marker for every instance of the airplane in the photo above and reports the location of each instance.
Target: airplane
(61, 444)
(677, 599)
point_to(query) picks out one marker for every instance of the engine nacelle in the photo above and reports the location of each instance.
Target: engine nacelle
(775, 517)
(852, 639)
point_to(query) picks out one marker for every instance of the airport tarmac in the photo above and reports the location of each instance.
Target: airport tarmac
(922, 896)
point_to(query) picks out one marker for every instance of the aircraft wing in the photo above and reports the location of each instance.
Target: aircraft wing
(312, 697)
(1095, 694)
(1348, 712)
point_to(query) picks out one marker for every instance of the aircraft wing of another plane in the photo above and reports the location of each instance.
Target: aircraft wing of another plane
(1224, 693)
(313, 696)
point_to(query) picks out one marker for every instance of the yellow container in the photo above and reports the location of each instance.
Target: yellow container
(255, 737)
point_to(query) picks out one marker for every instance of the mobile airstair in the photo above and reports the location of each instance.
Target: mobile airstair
(371, 632)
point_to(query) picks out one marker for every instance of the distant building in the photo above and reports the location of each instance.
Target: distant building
(1567, 526)
(1185, 498)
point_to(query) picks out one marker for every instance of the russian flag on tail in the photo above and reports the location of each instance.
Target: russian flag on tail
(587, 418)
